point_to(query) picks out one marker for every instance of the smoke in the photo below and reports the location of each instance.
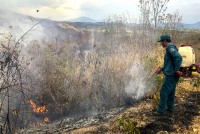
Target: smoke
(16, 25)
(45, 31)
(98, 98)
(137, 87)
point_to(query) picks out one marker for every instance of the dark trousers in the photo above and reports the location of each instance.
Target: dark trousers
(167, 94)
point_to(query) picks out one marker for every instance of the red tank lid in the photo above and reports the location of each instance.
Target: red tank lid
(184, 45)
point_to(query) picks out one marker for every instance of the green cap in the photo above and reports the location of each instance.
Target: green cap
(164, 37)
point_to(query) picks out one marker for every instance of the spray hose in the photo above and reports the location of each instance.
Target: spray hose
(156, 71)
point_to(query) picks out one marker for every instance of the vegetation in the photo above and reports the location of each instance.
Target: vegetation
(90, 71)
(127, 125)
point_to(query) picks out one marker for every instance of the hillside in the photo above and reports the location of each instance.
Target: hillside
(192, 26)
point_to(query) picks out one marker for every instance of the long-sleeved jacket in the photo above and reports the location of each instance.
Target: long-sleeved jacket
(172, 60)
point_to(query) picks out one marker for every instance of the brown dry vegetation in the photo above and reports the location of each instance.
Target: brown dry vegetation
(90, 71)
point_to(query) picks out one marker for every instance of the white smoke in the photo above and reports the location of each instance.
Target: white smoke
(17, 25)
(137, 87)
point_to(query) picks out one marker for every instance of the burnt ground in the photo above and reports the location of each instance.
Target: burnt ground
(184, 120)
(140, 117)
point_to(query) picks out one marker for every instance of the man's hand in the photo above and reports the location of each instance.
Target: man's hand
(158, 70)
(179, 73)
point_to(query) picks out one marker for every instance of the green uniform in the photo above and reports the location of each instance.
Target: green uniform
(172, 63)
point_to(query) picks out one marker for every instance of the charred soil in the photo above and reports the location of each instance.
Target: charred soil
(185, 119)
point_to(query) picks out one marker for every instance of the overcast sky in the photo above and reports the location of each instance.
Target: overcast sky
(96, 9)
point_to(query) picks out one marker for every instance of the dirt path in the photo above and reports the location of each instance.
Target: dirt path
(184, 120)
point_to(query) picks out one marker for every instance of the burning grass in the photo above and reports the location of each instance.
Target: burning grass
(38, 109)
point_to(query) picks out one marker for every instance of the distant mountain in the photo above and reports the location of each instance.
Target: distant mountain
(192, 26)
(83, 19)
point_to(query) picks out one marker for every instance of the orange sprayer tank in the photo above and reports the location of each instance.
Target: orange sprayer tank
(188, 55)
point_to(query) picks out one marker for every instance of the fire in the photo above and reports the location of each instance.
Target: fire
(38, 109)
(46, 119)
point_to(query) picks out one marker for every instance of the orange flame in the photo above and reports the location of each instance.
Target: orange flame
(39, 109)
(46, 119)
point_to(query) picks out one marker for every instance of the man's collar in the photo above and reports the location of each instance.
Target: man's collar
(169, 44)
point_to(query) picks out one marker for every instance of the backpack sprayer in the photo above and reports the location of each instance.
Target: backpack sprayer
(189, 68)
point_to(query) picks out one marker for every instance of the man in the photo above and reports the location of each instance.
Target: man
(172, 63)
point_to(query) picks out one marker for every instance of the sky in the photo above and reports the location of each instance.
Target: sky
(95, 9)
